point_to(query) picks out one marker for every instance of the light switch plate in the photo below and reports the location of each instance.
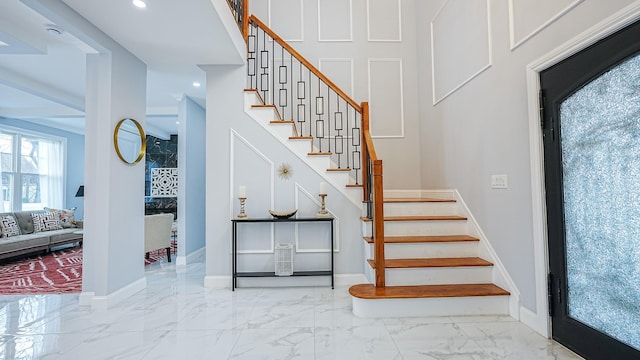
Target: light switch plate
(499, 181)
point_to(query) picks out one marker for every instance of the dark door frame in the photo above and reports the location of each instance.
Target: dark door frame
(540, 320)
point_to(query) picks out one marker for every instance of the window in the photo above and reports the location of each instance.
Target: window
(32, 170)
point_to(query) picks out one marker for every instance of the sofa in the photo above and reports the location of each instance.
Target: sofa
(30, 238)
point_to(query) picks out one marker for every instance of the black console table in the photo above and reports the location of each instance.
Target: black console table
(234, 248)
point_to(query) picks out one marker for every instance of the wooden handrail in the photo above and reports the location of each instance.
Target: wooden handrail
(305, 62)
(365, 154)
(245, 19)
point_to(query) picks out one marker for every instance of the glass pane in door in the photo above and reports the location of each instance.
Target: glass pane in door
(600, 137)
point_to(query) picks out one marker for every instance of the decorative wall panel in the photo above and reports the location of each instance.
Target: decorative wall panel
(160, 154)
(284, 19)
(340, 71)
(164, 182)
(252, 169)
(386, 98)
(335, 20)
(460, 45)
(527, 18)
(384, 20)
(311, 237)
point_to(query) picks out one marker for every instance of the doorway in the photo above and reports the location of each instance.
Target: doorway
(591, 129)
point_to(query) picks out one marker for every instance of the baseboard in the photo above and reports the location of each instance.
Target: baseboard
(500, 277)
(535, 321)
(184, 260)
(350, 279)
(86, 297)
(217, 282)
(105, 302)
(223, 282)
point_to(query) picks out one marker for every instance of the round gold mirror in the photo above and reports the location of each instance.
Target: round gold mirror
(130, 141)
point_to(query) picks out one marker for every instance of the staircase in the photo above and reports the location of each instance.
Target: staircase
(286, 132)
(432, 266)
(424, 256)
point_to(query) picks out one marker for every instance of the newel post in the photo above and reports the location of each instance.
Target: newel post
(378, 223)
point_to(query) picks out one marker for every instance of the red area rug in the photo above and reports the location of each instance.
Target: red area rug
(53, 273)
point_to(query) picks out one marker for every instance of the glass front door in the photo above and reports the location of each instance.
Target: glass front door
(592, 169)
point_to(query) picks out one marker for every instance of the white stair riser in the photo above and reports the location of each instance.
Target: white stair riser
(300, 145)
(412, 194)
(283, 131)
(391, 308)
(430, 250)
(432, 227)
(439, 276)
(413, 209)
(338, 177)
(250, 98)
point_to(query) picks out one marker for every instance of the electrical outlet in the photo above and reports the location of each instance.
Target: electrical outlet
(499, 181)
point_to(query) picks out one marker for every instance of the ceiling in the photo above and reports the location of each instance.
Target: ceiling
(42, 64)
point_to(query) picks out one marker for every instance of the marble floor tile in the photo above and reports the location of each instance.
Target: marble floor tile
(175, 317)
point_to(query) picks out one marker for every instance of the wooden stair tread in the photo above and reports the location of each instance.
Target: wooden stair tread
(424, 239)
(355, 185)
(281, 122)
(339, 169)
(369, 291)
(316, 153)
(431, 262)
(419, 218)
(417, 200)
(263, 106)
(300, 137)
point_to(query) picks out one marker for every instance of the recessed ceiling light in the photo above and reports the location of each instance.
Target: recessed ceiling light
(177, 122)
(2, 43)
(139, 3)
(196, 84)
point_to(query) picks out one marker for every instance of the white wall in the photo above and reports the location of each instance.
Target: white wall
(241, 152)
(482, 127)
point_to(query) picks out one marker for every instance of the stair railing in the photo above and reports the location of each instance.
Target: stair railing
(320, 110)
(240, 9)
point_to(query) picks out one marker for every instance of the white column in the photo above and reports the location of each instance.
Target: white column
(113, 266)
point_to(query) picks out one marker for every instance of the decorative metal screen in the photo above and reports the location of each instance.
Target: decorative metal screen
(164, 182)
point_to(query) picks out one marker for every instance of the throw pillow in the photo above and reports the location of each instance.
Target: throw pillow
(65, 216)
(45, 221)
(9, 226)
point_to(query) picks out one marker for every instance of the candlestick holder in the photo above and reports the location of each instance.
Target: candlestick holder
(242, 214)
(323, 211)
